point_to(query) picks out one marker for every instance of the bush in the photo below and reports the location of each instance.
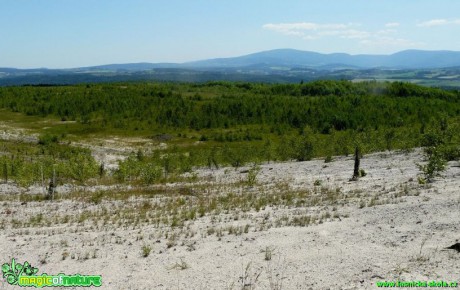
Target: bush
(47, 139)
(252, 175)
(450, 153)
(285, 149)
(146, 251)
(432, 139)
(435, 165)
(150, 173)
(304, 149)
(128, 169)
(82, 167)
(236, 157)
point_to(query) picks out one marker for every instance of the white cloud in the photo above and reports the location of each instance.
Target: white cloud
(438, 22)
(386, 31)
(354, 34)
(392, 24)
(311, 31)
(387, 36)
(387, 41)
(309, 37)
(289, 28)
(434, 22)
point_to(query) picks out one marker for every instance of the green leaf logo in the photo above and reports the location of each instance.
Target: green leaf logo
(15, 270)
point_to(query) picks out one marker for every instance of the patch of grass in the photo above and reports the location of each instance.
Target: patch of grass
(65, 255)
(172, 241)
(268, 253)
(96, 197)
(146, 249)
(182, 265)
(419, 257)
(252, 175)
(248, 279)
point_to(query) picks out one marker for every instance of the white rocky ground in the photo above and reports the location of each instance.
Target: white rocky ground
(385, 227)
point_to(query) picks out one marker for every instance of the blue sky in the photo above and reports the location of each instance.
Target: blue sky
(73, 33)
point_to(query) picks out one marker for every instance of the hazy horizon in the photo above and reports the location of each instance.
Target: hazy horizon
(67, 34)
(179, 63)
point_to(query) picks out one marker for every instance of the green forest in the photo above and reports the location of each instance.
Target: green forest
(227, 123)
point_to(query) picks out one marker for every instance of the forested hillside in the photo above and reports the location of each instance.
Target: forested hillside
(236, 123)
(322, 105)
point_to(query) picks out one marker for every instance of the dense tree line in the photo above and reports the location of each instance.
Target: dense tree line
(236, 123)
(321, 105)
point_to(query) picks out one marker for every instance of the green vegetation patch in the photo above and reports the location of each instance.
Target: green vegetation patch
(216, 124)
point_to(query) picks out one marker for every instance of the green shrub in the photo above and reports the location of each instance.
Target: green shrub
(47, 139)
(435, 165)
(286, 149)
(146, 249)
(236, 157)
(82, 167)
(150, 173)
(432, 139)
(303, 149)
(450, 153)
(128, 169)
(96, 197)
(252, 175)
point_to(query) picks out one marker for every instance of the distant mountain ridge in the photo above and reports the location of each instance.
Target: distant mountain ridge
(408, 59)
(279, 65)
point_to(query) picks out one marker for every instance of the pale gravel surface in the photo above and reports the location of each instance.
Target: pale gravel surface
(404, 240)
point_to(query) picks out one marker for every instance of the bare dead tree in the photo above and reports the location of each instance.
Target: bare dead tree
(356, 167)
(52, 186)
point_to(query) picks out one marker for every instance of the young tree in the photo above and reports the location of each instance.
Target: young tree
(435, 165)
